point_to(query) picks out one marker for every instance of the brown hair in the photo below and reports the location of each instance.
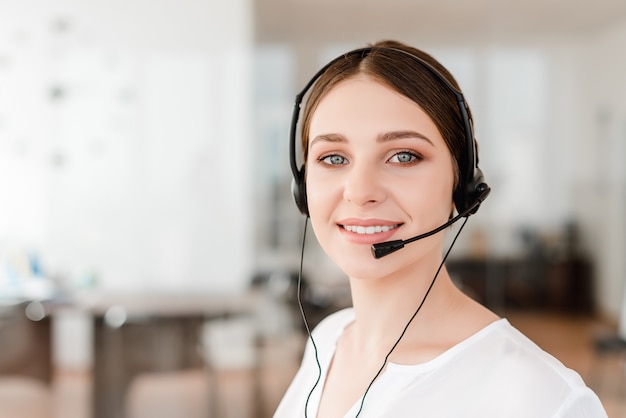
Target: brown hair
(404, 74)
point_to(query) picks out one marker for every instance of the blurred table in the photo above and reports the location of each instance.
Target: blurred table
(135, 334)
(25, 340)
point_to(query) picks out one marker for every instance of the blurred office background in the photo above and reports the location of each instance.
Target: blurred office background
(148, 240)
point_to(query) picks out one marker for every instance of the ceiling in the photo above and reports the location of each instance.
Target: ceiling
(361, 20)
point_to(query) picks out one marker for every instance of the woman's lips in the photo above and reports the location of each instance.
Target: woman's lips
(368, 232)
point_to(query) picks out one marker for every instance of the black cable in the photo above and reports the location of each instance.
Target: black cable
(306, 324)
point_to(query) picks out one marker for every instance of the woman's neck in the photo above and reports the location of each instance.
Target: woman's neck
(383, 307)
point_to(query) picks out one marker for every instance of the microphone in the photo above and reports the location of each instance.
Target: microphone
(385, 248)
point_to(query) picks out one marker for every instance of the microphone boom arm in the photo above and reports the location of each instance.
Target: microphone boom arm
(385, 248)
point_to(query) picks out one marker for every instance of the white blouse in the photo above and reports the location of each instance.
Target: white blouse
(497, 372)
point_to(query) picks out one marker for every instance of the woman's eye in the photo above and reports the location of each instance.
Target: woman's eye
(404, 157)
(334, 159)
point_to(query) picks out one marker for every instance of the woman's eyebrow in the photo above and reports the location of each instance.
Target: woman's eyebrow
(384, 137)
(395, 135)
(328, 138)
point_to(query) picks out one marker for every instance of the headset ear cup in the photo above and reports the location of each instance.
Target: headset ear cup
(298, 191)
(470, 196)
(477, 191)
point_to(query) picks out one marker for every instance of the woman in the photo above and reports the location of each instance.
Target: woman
(390, 156)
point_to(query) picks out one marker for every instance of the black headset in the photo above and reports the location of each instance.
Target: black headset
(471, 189)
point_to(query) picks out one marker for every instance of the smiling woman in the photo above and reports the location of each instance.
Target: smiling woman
(389, 154)
(374, 175)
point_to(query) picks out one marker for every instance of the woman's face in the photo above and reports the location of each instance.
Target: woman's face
(377, 170)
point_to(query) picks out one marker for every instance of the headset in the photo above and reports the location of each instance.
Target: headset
(471, 190)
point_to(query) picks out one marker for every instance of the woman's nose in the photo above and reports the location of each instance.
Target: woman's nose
(363, 186)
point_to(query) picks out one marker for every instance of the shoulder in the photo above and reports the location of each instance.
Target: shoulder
(333, 325)
(518, 351)
(497, 372)
(327, 332)
(532, 378)
(519, 357)
(325, 335)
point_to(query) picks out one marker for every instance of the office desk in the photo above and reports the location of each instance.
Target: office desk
(150, 333)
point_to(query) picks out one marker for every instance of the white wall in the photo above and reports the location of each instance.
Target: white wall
(136, 173)
(601, 176)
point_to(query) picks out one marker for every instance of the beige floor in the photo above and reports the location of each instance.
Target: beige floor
(187, 394)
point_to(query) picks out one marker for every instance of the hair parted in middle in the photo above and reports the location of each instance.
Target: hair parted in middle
(393, 64)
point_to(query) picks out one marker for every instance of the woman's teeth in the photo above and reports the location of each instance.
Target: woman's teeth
(369, 229)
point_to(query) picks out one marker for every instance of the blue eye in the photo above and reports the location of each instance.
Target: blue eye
(404, 157)
(334, 159)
